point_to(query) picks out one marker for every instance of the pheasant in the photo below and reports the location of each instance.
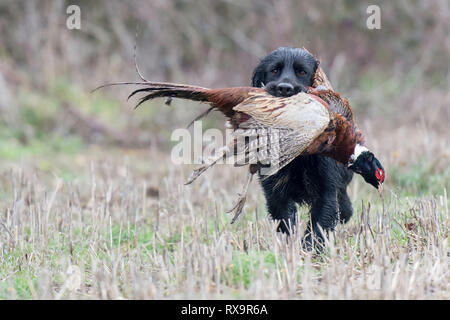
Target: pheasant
(275, 131)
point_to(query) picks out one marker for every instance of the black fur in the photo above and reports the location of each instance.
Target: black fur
(295, 69)
(317, 181)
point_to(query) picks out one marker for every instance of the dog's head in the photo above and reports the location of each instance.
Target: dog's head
(286, 71)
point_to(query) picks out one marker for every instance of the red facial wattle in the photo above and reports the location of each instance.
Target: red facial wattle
(380, 175)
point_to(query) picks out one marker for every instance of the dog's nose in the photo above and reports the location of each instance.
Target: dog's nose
(285, 89)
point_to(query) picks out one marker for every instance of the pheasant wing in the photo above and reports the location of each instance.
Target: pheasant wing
(340, 105)
(279, 130)
(336, 103)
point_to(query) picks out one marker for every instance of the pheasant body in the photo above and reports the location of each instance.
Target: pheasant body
(307, 123)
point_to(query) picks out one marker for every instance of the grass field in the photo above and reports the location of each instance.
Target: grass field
(89, 222)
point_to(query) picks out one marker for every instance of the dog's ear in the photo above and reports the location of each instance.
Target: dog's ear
(320, 79)
(317, 62)
(259, 76)
(316, 66)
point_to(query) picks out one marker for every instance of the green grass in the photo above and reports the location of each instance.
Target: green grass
(419, 178)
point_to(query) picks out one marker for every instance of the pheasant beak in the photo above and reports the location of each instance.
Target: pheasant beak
(380, 190)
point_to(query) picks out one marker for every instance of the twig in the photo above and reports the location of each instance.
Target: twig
(135, 57)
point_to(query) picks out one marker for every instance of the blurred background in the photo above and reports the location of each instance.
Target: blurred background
(397, 78)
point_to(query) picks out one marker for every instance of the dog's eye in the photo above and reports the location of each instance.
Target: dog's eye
(302, 73)
(275, 70)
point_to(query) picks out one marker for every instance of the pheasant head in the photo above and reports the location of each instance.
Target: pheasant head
(365, 164)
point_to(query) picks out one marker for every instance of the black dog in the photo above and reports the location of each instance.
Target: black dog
(318, 181)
